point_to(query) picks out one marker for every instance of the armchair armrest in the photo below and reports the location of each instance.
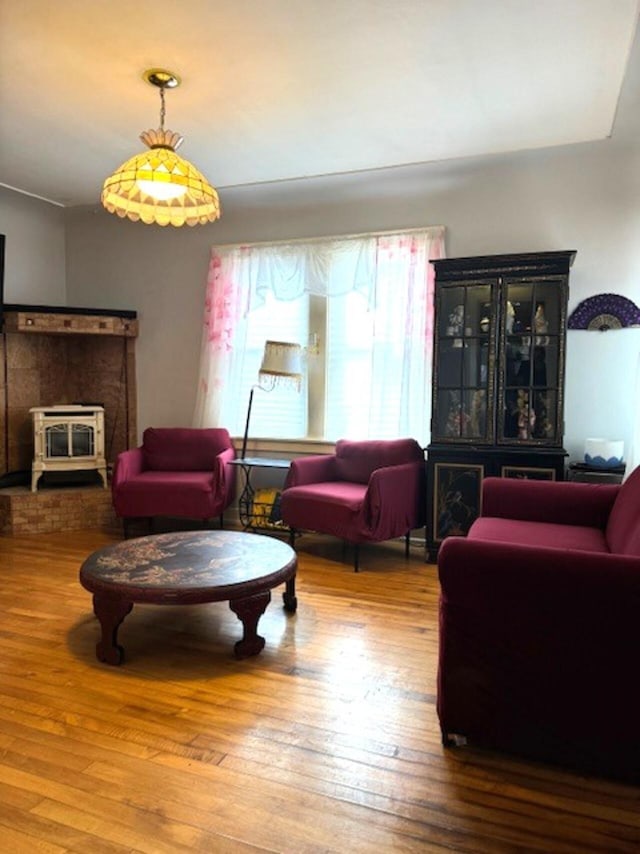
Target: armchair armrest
(223, 477)
(128, 464)
(311, 470)
(549, 501)
(398, 489)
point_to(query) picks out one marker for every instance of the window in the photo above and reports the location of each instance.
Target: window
(366, 300)
(282, 411)
(348, 368)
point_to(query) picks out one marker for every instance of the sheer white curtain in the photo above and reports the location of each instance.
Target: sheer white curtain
(379, 355)
(382, 282)
(402, 335)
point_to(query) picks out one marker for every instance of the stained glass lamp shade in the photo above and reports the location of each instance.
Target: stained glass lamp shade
(158, 186)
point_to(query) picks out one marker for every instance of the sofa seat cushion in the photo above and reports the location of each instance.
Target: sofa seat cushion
(166, 493)
(539, 534)
(332, 506)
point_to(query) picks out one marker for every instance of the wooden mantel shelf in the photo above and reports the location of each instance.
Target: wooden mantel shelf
(64, 320)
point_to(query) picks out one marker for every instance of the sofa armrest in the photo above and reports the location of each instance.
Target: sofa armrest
(549, 501)
(128, 464)
(314, 469)
(401, 488)
(541, 586)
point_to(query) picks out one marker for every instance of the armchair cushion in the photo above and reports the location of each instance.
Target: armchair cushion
(169, 493)
(336, 505)
(183, 448)
(355, 461)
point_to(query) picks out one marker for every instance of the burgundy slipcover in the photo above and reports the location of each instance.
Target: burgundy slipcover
(178, 471)
(367, 491)
(540, 625)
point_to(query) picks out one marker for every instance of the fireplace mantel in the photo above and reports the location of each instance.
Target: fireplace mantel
(64, 320)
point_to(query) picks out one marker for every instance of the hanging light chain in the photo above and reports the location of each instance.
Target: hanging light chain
(163, 110)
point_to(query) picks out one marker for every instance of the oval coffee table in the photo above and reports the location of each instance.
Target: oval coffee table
(189, 568)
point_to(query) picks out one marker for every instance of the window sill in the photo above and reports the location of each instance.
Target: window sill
(286, 447)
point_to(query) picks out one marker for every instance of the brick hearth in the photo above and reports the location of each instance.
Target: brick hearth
(67, 509)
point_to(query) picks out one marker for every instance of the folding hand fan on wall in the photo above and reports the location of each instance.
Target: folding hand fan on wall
(603, 312)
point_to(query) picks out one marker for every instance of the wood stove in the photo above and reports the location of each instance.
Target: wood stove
(69, 437)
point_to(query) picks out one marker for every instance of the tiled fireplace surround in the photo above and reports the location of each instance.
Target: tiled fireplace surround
(60, 356)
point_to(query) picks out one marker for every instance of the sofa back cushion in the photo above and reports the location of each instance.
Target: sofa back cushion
(183, 448)
(356, 460)
(623, 527)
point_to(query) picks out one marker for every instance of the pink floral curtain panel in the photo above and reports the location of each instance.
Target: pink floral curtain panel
(392, 273)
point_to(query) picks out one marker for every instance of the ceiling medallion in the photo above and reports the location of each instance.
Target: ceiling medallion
(603, 312)
(158, 186)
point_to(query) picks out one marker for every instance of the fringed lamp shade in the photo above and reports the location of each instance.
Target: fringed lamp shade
(159, 186)
(282, 361)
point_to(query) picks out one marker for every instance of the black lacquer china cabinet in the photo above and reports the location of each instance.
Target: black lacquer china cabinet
(498, 380)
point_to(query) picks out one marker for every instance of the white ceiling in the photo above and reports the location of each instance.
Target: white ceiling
(280, 89)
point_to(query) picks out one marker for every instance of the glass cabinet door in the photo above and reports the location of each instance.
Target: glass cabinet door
(463, 378)
(531, 353)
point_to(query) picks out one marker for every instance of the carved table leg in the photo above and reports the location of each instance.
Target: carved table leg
(249, 611)
(289, 596)
(110, 611)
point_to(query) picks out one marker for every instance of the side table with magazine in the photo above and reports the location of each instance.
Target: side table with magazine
(259, 506)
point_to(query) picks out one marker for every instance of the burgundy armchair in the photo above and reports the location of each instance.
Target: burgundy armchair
(178, 471)
(367, 491)
(540, 625)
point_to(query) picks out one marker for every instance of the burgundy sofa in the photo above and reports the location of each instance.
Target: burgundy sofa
(178, 472)
(367, 491)
(540, 625)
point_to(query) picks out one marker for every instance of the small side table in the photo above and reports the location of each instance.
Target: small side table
(582, 473)
(259, 511)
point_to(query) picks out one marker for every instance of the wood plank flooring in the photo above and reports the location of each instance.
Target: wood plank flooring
(327, 741)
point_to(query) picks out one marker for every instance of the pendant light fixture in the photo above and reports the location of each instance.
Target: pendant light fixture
(158, 185)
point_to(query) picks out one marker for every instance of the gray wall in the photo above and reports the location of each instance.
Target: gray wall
(35, 269)
(584, 197)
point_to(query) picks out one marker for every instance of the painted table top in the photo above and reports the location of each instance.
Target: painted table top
(189, 566)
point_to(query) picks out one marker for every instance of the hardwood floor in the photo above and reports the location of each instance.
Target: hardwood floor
(327, 741)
